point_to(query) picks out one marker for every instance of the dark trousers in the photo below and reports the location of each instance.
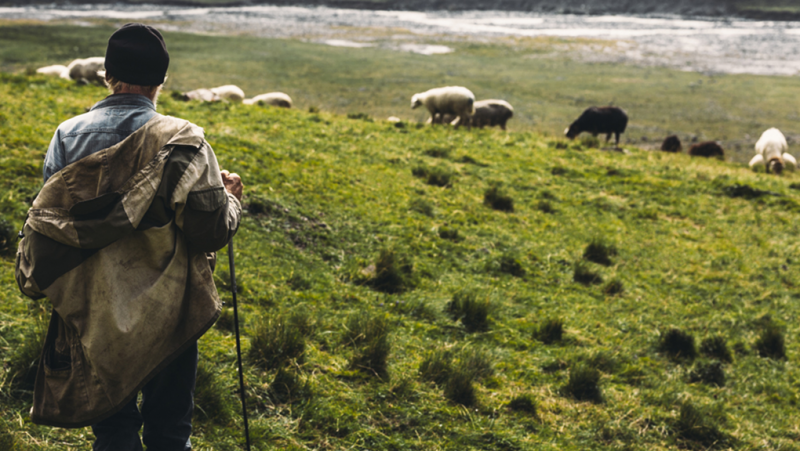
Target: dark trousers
(167, 403)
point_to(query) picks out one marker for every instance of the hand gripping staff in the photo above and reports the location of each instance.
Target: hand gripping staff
(238, 342)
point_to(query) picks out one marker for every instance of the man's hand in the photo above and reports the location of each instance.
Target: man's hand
(233, 183)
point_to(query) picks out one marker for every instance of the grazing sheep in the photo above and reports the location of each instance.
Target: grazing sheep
(707, 149)
(204, 95)
(771, 151)
(56, 70)
(671, 144)
(491, 113)
(455, 100)
(595, 120)
(278, 99)
(230, 93)
(86, 70)
(393, 119)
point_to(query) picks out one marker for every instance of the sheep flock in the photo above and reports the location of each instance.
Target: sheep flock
(457, 106)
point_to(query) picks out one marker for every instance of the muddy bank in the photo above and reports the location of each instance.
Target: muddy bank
(685, 8)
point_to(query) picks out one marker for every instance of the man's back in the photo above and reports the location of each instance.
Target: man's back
(108, 123)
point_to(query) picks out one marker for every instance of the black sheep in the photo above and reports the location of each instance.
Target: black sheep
(671, 144)
(707, 149)
(596, 120)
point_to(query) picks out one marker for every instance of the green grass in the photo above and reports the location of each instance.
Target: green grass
(548, 90)
(383, 368)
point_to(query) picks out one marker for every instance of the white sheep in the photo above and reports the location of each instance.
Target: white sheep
(771, 151)
(230, 93)
(86, 70)
(55, 70)
(454, 100)
(278, 99)
(203, 95)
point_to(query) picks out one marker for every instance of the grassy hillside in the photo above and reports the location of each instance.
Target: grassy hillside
(416, 288)
(547, 89)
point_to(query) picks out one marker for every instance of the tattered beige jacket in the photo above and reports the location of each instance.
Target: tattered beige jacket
(117, 243)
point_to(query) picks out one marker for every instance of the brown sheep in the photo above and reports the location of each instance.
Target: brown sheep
(671, 144)
(707, 149)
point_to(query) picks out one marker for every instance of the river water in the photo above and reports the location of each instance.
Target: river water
(705, 45)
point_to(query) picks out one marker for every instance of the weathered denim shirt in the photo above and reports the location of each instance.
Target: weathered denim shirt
(110, 121)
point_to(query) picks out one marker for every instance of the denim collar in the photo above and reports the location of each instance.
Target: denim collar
(123, 100)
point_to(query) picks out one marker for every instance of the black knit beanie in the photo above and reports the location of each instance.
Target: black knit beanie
(136, 54)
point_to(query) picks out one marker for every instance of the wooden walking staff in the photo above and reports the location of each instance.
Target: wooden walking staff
(238, 343)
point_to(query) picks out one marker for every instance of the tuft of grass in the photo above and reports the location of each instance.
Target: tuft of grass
(437, 152)
(469, 308)
(474, 361)
(545, 206)
(212, 398)
(716, 348)
(709, 373)
(698, 430)
(550, 331)
(436, 367)
(287, 387)
(583, 384)
(369, 336)
(614, 287)
(23, 364)
(433, 175)
(8, 237)
(584, 275)
(771, 342)
(460, 389)
(599, 251)
(524, 403)
(449, 233)
(276, 340)
(421, 205)
(394, 273)
(678, 345)
(509, 264)
(497, 199)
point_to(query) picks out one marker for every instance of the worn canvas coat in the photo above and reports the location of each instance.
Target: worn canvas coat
(106, 242)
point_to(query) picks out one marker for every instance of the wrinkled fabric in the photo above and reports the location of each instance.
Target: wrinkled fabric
(128, 295)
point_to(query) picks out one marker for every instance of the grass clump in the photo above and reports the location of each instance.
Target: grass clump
(678, 345)
(23, 364)
(433, 175)
(550, 331)
(771, 343)
(393, 273)
(584, 275)
(472, 311)
(422, 206)
(369, 336)
(287, 387)
(614, 287)
(716, 348)
(358, 116)
(709, 373)
(510, 264)
(8, 236)
(436, 367)
(497, 199)
(450, 234)
(583, 384)
(523, 403)
(460, 389)
(697, 430)
(276, 340)
(545, 207)
(212, 398)
(600, 252)
(437, 152)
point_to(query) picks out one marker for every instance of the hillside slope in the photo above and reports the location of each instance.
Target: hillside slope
(388, 305)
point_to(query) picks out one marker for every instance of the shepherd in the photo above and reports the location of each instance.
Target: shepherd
(121, 240)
